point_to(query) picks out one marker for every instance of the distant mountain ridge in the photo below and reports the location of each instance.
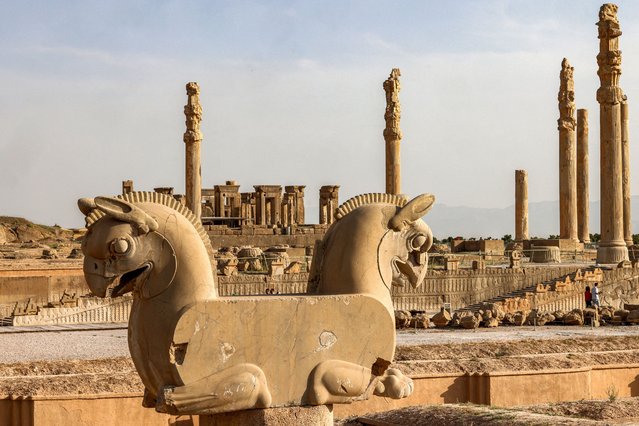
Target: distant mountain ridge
(543, 220)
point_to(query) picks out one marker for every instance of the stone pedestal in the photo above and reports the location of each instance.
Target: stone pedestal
(321, 415)
(392, 133)
(625, 175)
(612, 247)
(521, 205)
(583, 196)
(567, 155)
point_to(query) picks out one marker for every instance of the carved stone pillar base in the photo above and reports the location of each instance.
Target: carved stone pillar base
(545, 254)
(321, 415)
(613, 254)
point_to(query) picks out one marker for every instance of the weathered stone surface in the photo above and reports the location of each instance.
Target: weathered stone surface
(521, 205)
(402, 319)
(622, 313)
(574, 317)
(419, 321)
(545, 254)
(633, 317)
(197, 353)
(612, 247)
(303, 416)
(192, 140)
(583, 194)
(491, 323)
(7, 235)
(441, 319)
(469, 322)
(392, 132)
(567, 154)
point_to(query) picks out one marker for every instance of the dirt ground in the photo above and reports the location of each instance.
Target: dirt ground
(619, 412)
(69, 377)
(518, 355)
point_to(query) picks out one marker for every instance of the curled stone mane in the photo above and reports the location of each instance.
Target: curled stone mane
(157, 198)
(365, 199)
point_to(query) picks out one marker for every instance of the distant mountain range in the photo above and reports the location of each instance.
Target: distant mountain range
(543, 220)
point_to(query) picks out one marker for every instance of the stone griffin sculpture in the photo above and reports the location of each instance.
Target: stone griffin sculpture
(198, 353)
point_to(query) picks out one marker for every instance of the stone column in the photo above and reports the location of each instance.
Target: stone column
(567, 155)
(612, 247)
(583, 197)
(625, 175)
(192, 139)
(521, 205)
(392, 132)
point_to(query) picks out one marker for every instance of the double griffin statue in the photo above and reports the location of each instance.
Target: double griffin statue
(198, 353)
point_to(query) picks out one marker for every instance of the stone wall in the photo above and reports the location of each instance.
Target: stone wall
(263, 237)
(504, 389)
(464, 287)
(459, 288)
(248, 285)
(508, 388)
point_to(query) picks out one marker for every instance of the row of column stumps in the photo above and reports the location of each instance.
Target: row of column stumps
(612, 246)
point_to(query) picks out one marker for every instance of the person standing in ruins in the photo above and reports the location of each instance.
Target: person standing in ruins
(588, 297)
(595, 295)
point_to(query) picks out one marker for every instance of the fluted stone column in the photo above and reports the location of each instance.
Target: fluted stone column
(567, 154)
(392, 132)
(521, 205)
(612, 247)
(625, 175)
(583, 196)
(192, 139)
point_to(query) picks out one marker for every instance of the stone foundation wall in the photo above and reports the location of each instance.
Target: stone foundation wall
(503, 389)
(508, 388)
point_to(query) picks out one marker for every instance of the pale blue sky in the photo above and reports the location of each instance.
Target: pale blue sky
(91, 93)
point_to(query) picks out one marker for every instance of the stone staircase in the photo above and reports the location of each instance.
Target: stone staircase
(547, 292)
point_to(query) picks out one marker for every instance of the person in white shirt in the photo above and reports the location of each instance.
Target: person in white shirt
(595, 295)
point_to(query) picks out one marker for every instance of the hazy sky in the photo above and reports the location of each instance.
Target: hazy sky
(92, 93)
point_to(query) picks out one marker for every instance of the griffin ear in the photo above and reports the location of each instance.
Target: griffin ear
(126, 212)
(416, 208)
(86, 205)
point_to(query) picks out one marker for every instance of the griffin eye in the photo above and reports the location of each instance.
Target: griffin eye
(120, 246)
(418, 242)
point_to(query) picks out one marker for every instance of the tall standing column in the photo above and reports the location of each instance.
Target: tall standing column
(192, 139)
(567, 154)
(521, 205)
(625, 175)
(612, 247)
(392, 132)
(583, 197)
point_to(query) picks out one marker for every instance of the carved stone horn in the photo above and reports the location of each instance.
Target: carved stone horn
(126, 212)
(86, 205)
(416, 208)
